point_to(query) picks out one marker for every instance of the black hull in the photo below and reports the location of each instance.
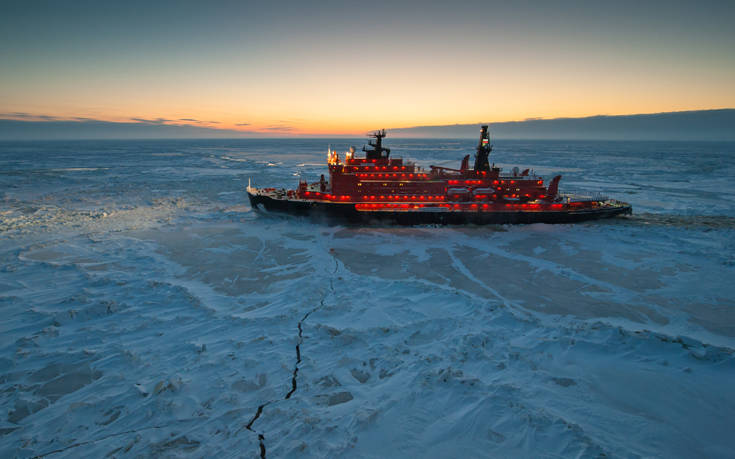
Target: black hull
(348, 214)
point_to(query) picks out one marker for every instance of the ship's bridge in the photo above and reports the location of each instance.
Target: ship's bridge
(334, 159)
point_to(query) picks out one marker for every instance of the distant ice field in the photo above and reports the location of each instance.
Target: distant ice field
(147, 310)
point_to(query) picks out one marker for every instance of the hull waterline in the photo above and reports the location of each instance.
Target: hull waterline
(347, 213)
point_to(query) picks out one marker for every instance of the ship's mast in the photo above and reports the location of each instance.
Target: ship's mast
(377, 151)
(483, 151)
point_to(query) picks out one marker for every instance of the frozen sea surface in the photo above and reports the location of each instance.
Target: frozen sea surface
(148, 311)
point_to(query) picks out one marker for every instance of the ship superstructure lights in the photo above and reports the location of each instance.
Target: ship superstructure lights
(332, 157)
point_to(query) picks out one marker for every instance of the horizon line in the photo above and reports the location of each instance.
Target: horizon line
(24, 117)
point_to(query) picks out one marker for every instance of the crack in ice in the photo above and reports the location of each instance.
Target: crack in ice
(294, 377)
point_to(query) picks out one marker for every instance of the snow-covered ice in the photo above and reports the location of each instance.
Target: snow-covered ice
(147, 310)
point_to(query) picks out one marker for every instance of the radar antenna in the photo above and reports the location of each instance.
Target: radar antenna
(483, 151)
(377, 151)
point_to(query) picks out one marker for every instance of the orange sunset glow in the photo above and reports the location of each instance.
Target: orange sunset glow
(311, 71)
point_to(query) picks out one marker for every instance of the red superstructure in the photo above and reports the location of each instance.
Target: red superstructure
(378, 181)
(377, 185)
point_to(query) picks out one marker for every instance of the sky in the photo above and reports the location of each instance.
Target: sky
(342, 67)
